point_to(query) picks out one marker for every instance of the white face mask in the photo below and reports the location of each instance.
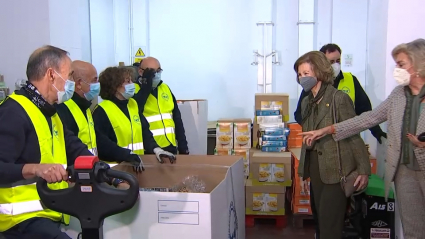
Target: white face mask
(337, 69)
(401, 76)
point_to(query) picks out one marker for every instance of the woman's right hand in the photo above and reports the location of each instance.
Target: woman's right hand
(305, 189)
(310, 136)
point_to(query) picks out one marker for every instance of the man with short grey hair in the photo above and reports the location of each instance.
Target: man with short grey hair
(34, 143)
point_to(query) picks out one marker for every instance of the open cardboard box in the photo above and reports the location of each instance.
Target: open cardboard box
(214, 214)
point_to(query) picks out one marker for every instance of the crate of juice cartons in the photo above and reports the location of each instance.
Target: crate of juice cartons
(242, 133)
(224, 134)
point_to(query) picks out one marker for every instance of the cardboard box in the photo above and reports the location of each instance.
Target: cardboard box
(210, 215)
(271, 165)
(273, 101)
(264, 199)
(373, 165)
(298, 209)
(242, 133)
(224, 134)
(301, 200)
(223, 152)
(299, 190)
(194, 115)
(245, 154)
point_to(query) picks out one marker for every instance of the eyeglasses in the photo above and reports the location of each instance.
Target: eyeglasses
(159, 70)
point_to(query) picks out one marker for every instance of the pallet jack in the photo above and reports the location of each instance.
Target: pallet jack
(90, 200)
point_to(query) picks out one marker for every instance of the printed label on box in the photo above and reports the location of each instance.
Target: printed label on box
(224, 135)
(271, 172)
(380, 233)
(271, 105)
(242, 133)
(264, 202)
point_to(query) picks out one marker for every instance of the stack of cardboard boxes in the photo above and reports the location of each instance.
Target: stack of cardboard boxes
(300, 190)
(270, 164)
(234, 138)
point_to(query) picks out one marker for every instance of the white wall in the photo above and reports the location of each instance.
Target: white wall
(102, 33)
(27, 25)
(205, 47)
(22, 30)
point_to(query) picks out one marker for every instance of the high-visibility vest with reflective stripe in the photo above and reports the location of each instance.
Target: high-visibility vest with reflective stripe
(347, 85)
(159, 113)
(86, 131)
(137, 88)
(20, 201)
(128, 132)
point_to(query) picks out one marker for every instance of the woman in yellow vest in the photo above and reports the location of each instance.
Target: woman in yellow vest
(118, 121)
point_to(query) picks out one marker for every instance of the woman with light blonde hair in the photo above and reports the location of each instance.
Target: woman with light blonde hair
(320, 161)
(404, 111)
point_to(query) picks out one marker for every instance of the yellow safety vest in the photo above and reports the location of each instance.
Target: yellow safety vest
(128, 132)
(347, 85)
(159, 114)
(19, 201)
(86, 131)
(137, 87)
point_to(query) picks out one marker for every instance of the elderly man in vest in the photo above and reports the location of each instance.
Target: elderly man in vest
(159, 106)
(34, 143)
(349, 84)
(75, 113)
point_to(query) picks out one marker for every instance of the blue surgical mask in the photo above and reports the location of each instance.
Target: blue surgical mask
(93, 92)
(156, 79)
(68, 91)
(129, 91)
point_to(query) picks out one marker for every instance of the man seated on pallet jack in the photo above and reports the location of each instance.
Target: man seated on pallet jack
(34, 143)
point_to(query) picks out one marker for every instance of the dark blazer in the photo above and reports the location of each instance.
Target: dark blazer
(353, 150)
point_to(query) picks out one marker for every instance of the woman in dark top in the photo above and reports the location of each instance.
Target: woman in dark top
(320, 161)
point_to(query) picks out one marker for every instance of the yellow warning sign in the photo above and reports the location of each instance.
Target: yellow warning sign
(140, 53)
(138, 60)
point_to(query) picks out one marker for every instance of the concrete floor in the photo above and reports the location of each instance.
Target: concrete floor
(265, 229)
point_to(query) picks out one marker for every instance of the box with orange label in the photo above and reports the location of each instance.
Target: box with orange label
(222, 152)
(242, 133)
(373, 165)
(270, 168)
(301, 200)
(300, 188)
(300, 209)
(224, 134)
(264, 200)
(294, 140)
(245, 154)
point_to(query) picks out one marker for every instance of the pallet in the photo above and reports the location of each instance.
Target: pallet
(281, 220)
(298, 220)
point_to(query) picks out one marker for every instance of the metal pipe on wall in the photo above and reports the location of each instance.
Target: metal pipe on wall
(131, 30)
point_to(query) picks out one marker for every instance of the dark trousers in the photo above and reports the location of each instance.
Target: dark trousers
(314, 212)
(36, 228)
(329, 200)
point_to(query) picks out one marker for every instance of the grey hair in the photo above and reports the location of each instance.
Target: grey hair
(42, 59)
(415, 50)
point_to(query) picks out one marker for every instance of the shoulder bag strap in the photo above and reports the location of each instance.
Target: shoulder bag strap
(335, 121)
